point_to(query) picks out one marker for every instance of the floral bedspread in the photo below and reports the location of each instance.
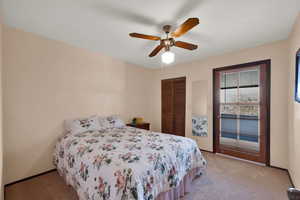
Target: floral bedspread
(125, 163)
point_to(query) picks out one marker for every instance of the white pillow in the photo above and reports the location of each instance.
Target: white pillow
(116, 121)
(83, 125)
(103, 122)
(111, 122)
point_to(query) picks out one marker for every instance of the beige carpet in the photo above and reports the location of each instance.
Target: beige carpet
(225, 179)
(229, 179)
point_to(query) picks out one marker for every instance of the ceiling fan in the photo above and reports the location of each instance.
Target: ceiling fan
(169, 41)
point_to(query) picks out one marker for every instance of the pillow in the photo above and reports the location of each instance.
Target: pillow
(116, 122)
(111, 122)
(103, 122)
(82, 125)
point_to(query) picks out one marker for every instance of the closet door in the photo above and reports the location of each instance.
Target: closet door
(173, 106)
(179, 107)
(167, 95)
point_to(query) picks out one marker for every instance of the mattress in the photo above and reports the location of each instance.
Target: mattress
(125, 163)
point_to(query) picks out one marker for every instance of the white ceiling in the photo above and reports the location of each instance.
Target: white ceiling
(103, 25)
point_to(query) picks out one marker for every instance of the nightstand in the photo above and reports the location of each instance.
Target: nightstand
(145, 126)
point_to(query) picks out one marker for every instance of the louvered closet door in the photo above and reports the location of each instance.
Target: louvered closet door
(173, 106)
(167, 106)
(179, 107)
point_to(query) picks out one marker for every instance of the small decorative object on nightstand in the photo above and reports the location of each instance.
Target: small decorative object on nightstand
(145, 126)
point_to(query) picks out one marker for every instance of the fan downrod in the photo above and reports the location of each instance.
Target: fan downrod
(167, 28)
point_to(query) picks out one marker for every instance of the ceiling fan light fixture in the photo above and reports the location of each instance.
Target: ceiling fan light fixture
(168, 57)
(169, 41)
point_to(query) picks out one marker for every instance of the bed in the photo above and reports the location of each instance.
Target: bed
(122, 163)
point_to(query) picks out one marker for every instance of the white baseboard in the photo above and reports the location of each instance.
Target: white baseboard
(249, 161)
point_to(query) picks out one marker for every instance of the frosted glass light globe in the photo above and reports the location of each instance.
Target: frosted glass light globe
(168, 57)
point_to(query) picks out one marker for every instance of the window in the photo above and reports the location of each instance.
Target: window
(239, 106)
(297, 83)
(242, 111)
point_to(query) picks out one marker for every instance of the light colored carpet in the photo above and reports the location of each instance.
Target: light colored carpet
(229, 179)
(225, 179)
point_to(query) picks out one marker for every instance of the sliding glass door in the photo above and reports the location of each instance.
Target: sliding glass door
(240, 107)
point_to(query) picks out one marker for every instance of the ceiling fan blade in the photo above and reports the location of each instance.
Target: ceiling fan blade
(185, 27)
(143, 36)
(156, 50)
(185, 45)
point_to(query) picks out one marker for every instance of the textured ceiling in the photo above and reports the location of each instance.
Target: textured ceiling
(103, 25)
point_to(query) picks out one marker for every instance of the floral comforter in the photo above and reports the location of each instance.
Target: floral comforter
(125, 163)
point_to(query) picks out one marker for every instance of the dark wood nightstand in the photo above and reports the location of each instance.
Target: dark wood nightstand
(145, 126)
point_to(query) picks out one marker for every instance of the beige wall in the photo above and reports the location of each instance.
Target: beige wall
(294, 109)
(199, 97)
(202, 70)
(47, 81)
(1, 142)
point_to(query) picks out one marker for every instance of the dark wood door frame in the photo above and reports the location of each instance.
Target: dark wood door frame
(268, 111)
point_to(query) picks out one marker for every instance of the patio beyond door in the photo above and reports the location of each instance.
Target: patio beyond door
(241, 111)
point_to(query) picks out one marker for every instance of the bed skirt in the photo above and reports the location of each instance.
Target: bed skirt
(184, 187)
